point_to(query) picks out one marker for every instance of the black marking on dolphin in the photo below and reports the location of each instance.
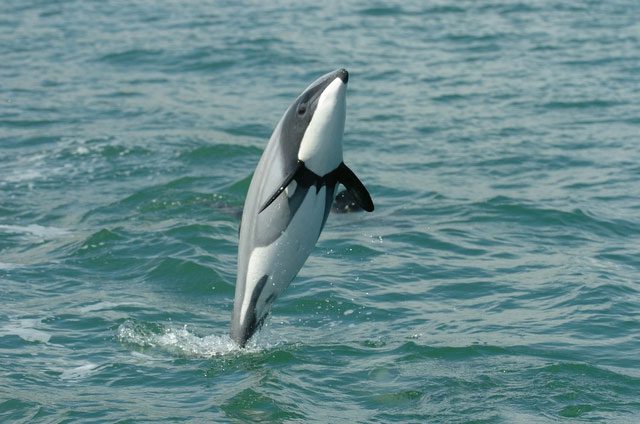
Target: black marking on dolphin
(254, 322)
(292, 175)
(306, 178)
(355, 187)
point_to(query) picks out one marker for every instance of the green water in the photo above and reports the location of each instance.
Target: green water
(496, 282)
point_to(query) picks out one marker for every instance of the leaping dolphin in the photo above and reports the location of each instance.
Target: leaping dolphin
(289, 199)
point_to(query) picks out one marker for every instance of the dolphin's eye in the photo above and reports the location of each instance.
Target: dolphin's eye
(302, 108)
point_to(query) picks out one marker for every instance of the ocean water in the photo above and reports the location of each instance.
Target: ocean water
(497, 280)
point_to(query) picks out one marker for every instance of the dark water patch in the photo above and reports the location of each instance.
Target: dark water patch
(450, 98)
(204, 59)
(575, 411)
(398, 398)
(20, 410)
(472, 41)
(582, 389)
(442, 9)
(241, 187)
(104, 237)
(579, 370)
(112, 151)
(108, 263)
(435, 242)
(179, 195)
(133, 57)
(625, 257)
(202, 235)
(414, 352)
(384, 117)
(597, 299)
(354, 252)
(102, 252)
(188, 277)
(27, 123)
(581, 104)
(73, 329)
(480, 290)
(508, 164)
(525, 213)
(136, 80)
(250, 405)
(382, 11)
(428, 130)
(544, 48)
(121, 94)
(268, 52)
(249, 130)
(512, 8)
(313, 303)
(187, 204)
(594, 62)
(213, 153)
(202, 65)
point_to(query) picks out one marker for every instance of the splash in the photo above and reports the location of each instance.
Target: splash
(179, 341)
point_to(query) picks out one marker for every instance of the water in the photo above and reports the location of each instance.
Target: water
(497, 280)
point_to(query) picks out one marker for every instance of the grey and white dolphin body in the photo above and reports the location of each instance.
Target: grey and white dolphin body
(289, 199)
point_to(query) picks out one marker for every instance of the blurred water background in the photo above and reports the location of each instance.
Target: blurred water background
(496, 282)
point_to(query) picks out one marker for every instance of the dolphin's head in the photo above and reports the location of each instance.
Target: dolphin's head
(310, 130)
(312, 127)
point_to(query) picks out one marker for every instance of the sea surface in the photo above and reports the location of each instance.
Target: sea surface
(497, 281)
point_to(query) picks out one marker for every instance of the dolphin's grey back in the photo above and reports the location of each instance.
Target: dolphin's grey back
(271, 170)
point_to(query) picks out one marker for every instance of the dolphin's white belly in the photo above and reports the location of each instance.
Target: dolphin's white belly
(282, 259)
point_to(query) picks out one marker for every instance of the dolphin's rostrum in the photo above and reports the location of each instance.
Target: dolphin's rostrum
(289, 199)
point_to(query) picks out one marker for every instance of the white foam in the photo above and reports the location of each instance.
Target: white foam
(80, 372)
(104, 306)
(23, 176)
(36, 231)
(81, 150)
(26, 330)
(181, 341)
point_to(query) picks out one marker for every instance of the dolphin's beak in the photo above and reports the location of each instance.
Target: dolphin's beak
(343, 75)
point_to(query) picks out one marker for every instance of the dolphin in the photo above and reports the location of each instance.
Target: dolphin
(289, 199)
